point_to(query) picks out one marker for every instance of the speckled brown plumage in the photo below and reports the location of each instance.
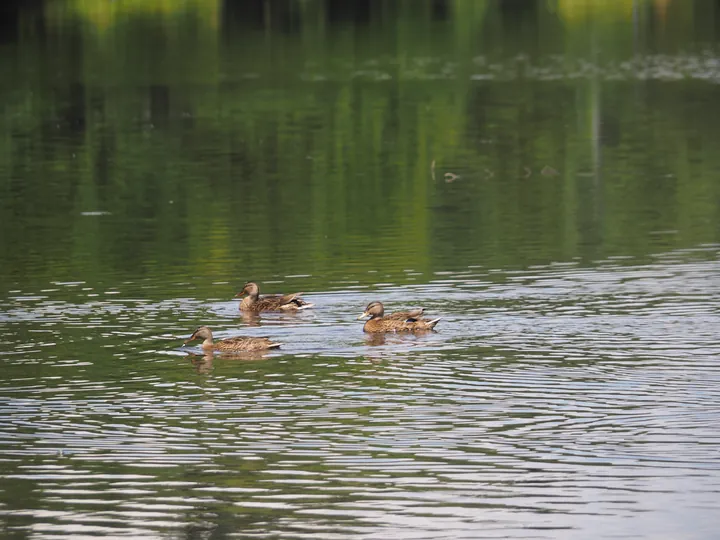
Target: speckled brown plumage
(255, 303)
(237, 343)
(395, 322)
(405, 315)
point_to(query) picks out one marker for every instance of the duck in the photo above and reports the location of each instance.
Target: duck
(256, 303)
(395, 322)
(237, 343)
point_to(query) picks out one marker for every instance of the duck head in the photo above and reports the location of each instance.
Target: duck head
(201, 333)
(373, 310)
(250, 289)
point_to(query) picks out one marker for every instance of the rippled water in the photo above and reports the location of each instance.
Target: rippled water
(552, 402)
(541, 175)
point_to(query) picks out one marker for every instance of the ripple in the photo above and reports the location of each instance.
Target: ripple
(557, 391)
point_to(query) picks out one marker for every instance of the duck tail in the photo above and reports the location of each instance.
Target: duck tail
(274, 346)
(306, 305)
(431, 324)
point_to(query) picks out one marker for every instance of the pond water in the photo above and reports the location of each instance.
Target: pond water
(542, 175)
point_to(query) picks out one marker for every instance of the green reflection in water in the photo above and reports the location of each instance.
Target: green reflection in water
(227, 141)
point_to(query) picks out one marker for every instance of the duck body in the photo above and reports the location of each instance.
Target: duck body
(255, 303)
(402, 321)
(404, 315)
(237, 343)
(383, 324)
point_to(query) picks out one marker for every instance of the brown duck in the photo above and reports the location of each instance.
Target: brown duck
(256, 303)
(237, 343)
(395, 322)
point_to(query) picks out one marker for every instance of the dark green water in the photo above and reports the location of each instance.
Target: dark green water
(544, 175)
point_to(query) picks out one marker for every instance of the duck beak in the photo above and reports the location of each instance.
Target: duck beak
(364, 314)
(239, 295)
(191, 338)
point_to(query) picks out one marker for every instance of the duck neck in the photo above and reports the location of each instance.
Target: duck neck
(248, 301)
(208, 343)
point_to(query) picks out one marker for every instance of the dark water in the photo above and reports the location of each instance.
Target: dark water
(542, 175)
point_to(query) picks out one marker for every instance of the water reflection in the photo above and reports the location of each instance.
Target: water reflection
(542, 176)
(375, 340)
(204, 363)
(249, 318)
(331, 177)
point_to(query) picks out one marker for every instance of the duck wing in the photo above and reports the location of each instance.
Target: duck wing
(424, 324)
(283, 302)
(405, 315)
(270, 302)
(243, 343)
(298, 303)
(386, 324)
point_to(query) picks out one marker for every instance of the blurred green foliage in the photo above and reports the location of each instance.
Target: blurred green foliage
(233, 141)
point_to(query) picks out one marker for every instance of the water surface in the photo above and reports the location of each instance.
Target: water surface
(541, 175)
